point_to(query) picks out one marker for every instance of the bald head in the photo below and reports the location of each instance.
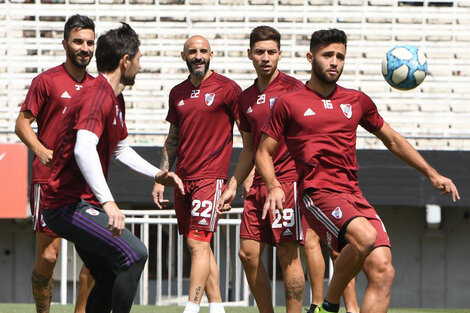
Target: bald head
(196, 40)
(197, 54)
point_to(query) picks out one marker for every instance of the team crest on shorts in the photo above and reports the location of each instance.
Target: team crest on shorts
(43, 224)
(337, 213)
(209, 98)
(92, 212)
(347, 109)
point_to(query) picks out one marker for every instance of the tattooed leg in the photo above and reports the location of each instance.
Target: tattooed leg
(294, 280)
(200, 269)
(42, 292)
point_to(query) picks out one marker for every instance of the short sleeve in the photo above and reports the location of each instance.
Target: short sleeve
(172, 116)
(275, 127)
(231, 100)
(244, 123)
(371, 119)
(37, 95)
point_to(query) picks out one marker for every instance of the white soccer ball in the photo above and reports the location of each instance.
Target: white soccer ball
(404, 67)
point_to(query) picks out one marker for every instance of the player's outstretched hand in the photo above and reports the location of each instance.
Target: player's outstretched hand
(116, 220)
(223, 204)
(157, 194)
(169, 179)
(445, 185)
(274, 201)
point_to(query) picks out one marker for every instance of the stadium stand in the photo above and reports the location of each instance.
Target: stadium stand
(433, 116)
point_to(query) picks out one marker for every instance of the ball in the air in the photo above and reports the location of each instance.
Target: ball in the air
(404, 67)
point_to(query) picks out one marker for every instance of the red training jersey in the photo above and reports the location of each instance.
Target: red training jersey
(47, 97)
(204, 116)
(95, 108)
(320, 134)
(255, 110)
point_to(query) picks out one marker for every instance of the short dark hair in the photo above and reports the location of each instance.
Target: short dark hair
(327, 36)
(78, 21)
(261, 33)
(113, 45)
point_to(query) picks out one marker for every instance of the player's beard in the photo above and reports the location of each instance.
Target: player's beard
(198, 73)
(322, 76)
(128, 80)
(75, 58)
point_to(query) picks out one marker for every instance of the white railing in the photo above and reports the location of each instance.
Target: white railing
(225, 246)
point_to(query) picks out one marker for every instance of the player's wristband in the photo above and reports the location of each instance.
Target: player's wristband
(277, 186)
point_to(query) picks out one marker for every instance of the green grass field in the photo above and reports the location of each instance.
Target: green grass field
(29, 308)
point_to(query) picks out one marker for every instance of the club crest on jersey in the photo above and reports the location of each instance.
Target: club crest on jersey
(92, 212)
(272, 101)
(209, 98)
(337, 213)
(347, 109)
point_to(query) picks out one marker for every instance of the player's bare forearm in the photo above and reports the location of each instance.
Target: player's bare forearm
(264, 161)
(26, 134)
(245, 161)
(169, 151)
(401, 148)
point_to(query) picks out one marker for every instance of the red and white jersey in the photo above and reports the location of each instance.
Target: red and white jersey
(95, 108)
(320, 134)
(47, 98)
(255, 110)
(204, 116)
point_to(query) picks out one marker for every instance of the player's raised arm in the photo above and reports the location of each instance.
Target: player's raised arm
(400, 147)
(244, 166)
(265, 167)
(167, 159)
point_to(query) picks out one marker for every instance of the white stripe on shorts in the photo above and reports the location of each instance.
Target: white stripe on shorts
(320, 216)
(37, 196)
(298, 216)
(217, 194)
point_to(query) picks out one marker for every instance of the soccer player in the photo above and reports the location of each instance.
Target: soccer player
(48, 96)
(318, 124)
(80, 206)
(202, 111)
(284, 230)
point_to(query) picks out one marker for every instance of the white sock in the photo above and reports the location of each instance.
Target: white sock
(216, 307)
(191, 307)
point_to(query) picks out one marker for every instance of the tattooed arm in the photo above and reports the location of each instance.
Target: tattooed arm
(167, 160)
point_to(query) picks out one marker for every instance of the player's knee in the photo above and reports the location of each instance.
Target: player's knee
(49, 257)
(141, 252)
(383, 272)
(247, 256)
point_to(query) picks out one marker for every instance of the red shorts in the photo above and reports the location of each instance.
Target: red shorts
(36, 204)
(196, 208)
(328, 214)
(283, 228)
